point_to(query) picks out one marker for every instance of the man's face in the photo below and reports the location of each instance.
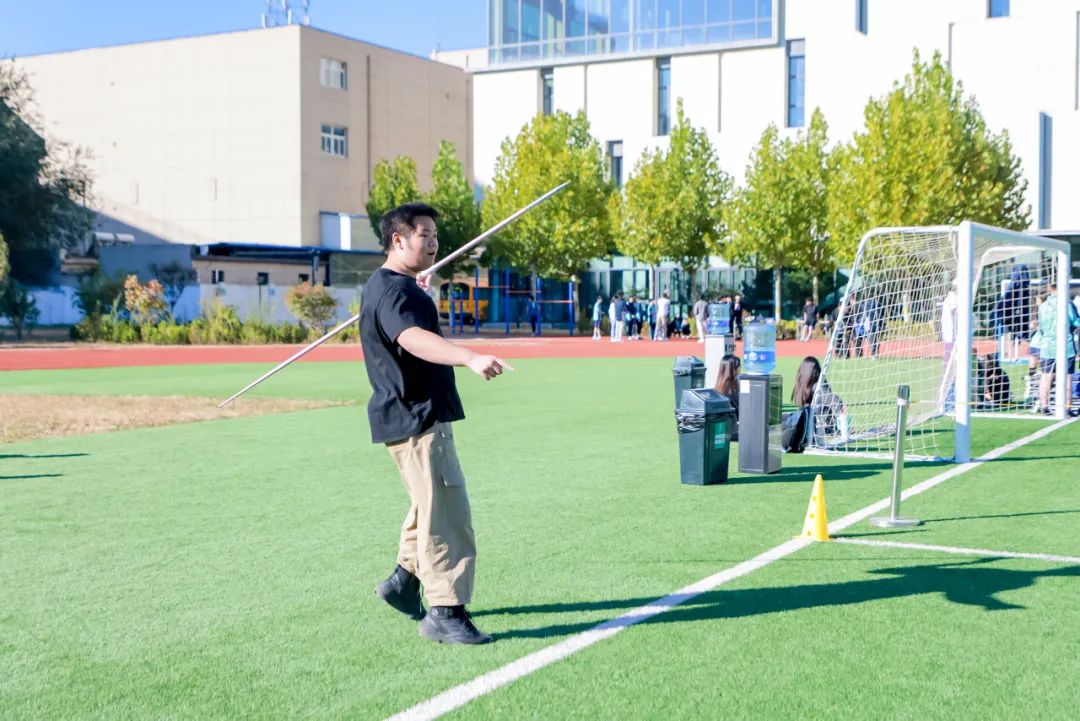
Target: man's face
(416, 250)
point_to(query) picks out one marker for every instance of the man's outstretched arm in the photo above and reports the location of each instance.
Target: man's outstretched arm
(435, 349)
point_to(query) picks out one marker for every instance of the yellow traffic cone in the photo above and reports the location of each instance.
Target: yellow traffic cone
(816, 525)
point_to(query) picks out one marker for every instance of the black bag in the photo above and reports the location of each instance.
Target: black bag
(795, 430)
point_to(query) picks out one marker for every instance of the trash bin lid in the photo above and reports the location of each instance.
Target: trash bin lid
(706, 401)
(685, 365)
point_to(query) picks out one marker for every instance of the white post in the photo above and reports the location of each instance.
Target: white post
(962, 343)
(1062, 379)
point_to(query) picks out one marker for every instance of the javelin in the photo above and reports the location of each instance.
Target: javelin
(423, 274)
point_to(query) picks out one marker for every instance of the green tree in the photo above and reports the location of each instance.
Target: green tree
(18, 306)
(759, 217)
(452, 196)
(559, 237)
(925, 157)
(673, 208)
(393, 183)
(3, 259)
(808, 162)
(45, 193)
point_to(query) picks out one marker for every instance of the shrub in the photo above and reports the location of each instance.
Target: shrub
(167, 332)
(352, 333)
(97, 294)
(312, 305)
(221, 324)
(787, 330)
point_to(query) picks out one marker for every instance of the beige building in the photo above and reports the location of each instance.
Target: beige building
(266, 136)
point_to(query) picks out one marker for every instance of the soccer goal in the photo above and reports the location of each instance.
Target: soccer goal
(951, 312)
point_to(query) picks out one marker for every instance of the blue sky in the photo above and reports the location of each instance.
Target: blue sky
(29, 27)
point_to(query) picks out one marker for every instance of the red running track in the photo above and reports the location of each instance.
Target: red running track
(112, 356)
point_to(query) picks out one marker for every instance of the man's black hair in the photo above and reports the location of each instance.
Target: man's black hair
(402, 220)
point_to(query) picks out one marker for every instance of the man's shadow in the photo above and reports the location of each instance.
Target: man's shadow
(969, 583)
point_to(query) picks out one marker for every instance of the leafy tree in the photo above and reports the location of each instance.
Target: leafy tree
(459, 213)
(145, 303)
(18, 306)
(174, 279)
(312, 304)
(925, 157)
(45, 195)
(97, 294)
(393, 183)
(759, 217)
(560, 236)
(673, 209)
(3, 259)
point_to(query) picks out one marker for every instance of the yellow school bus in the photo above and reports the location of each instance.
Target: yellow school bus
(464, 296)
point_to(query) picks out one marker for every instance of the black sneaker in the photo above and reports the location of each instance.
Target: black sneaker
(451, 624)
(402, 591)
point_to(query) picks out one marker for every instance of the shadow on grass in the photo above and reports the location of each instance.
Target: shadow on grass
(4, 456)
(31, 475)
(1000, 515)
(798, 474)
(969, 583)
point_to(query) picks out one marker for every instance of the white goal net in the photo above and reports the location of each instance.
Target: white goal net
(952, 313)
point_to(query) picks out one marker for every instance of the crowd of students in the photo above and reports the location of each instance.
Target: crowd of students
(628, 317)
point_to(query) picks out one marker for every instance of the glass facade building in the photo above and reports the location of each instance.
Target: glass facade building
(540, 31)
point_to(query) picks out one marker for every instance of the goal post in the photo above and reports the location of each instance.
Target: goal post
(952, 312)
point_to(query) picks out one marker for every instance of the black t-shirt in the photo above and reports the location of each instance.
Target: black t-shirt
(409, 395)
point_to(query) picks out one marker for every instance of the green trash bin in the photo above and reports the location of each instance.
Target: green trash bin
(689, 372)
(705, 419)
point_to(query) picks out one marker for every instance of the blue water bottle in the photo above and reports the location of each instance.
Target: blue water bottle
(759, 348)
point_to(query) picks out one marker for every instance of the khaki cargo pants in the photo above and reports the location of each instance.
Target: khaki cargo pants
(437, 542)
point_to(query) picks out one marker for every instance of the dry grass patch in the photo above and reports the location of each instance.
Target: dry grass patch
(25, 417)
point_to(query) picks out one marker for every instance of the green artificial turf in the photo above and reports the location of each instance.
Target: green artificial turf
(224, 569)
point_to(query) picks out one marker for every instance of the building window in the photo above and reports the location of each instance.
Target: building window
(796, 83)
(332, 74)
(536, 31)
(614, 153)
(663, 96)
(547, 90)
(335, 141)
(997, 8)
(861, 11)
(217, 277)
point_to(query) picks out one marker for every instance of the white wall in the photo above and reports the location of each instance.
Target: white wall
(1016, 67)
(266, 302)
(502, 104)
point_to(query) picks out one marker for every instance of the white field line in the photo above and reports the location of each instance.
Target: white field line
(458, 696)
(961, 551)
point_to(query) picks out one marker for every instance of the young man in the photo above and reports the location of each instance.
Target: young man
(736, 316)
(809, 311)
(413, 402)
(618, 319)
(597, 316)
(663, 308)
(1048, 350)
(534, 315)
(701, 315)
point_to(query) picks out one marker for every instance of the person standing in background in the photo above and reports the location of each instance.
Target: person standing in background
(663, 308)
(597, 316)
(736, 316)
(701, 315)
